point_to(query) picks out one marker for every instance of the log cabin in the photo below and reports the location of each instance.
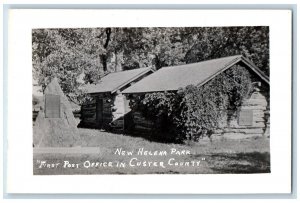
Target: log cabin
(109, 106)
(252, 118)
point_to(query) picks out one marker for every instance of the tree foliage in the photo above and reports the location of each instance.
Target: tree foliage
(81, 56)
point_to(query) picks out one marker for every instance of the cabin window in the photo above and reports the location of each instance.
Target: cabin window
(246, 117)
(52, 106)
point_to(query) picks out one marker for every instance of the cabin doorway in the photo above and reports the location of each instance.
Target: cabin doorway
(99, 112)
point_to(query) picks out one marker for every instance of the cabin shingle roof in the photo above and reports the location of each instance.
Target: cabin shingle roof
(114, 81)
(175, 77)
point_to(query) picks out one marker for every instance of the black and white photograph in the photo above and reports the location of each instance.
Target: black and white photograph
(107, 102)
(151, 100)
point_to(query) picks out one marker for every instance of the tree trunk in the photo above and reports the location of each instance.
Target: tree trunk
(103, 57)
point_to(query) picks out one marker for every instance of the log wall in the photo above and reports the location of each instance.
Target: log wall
(251, 119)
(88, 115)
(236, 125)
(106, 112)
(141, 124)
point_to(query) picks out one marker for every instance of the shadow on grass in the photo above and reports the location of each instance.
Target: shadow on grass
(155, 137)
(254, 162)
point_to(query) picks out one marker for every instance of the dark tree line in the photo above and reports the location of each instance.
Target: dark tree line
(89, 53)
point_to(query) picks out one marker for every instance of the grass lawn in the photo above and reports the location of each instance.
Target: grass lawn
(142, 156)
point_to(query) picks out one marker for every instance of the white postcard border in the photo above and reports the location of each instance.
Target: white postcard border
(20, 178)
